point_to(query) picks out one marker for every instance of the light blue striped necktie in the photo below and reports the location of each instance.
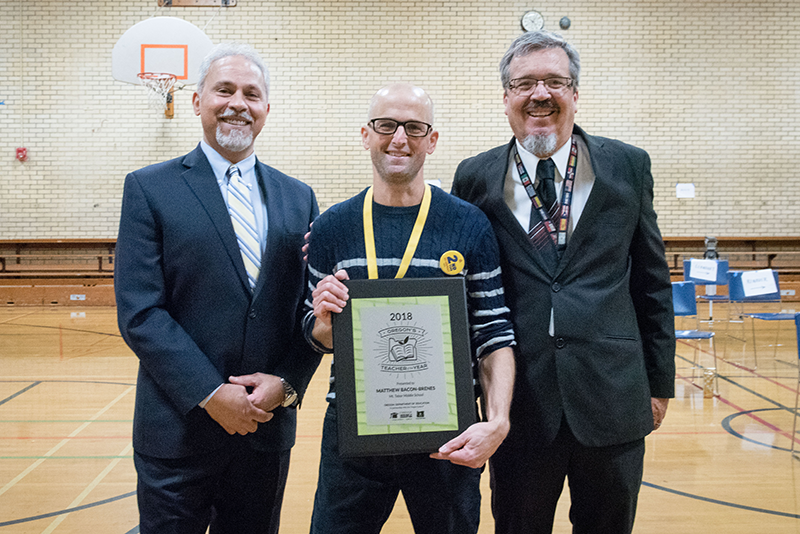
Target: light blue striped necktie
(244, 223)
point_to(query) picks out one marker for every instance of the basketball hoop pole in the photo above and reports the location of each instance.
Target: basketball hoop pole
(169, 109)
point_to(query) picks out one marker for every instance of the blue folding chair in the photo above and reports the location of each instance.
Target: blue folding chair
(797, 390)
(711, 286)
(685, 305)
(737, 296)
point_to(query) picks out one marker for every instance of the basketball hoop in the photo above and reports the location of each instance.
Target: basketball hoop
(159, 87)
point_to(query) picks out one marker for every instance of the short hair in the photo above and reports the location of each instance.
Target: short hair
(223, 50)
(539, 40)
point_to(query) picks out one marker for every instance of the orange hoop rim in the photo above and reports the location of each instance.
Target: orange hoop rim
(156, 76)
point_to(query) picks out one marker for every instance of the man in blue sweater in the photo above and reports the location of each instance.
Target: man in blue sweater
(441, 490)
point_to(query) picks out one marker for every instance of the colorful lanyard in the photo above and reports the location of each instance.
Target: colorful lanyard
(413, 241)
(559, 237)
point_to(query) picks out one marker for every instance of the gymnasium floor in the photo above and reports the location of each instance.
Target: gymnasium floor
(67, 384)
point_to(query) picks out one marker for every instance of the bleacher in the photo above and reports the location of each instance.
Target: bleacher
(81, 271)
(57, 272)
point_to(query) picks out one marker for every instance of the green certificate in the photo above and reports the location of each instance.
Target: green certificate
(403, 366)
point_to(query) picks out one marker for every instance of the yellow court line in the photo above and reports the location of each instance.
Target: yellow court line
(63, 442)
(85, 493)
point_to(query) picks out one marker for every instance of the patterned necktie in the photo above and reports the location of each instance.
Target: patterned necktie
(546, 190)
(244, 223)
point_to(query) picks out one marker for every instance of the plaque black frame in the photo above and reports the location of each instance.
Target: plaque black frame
(350, 442)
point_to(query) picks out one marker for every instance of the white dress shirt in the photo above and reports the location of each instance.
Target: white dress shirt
(247, 167)
(517, 199)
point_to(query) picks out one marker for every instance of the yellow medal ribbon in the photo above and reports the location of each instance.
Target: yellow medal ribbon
(413, 241)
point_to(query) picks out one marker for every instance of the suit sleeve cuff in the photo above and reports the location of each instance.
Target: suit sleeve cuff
(205, 401)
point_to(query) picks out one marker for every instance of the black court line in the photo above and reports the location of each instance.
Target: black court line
(726, 424)
(20, 392)
(135, 530)
(69, 510)
(721, 503)
(756, 394)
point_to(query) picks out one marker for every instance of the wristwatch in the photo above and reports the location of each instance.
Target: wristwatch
(289, 394)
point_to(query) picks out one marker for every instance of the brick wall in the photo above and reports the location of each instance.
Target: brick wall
(710, 88)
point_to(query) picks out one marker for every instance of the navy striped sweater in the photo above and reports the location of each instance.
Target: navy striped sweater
(337, 242)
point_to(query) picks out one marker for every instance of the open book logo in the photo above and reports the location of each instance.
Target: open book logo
(403, 349)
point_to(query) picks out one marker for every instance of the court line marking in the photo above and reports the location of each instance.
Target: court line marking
(644, 483)
(100, 457)
(20, 392)
(68, 510)
(68, 381)
(60, 329)
(55, 449)
(726, 424)
(59, 421)
(51, 438)
(750, 413)
(9, 319)
(721, 503)
(88, 489)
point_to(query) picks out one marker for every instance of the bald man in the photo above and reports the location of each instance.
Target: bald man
(441, 490)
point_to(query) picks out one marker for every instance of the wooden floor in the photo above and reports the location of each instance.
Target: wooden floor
(67, 385)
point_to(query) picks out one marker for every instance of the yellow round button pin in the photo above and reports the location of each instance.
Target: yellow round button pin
(451, 262)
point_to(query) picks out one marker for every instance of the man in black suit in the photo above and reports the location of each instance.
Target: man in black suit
(209, 283)
(590, 296)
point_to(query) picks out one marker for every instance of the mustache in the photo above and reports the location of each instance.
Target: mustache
(228, 113)
(547, 105)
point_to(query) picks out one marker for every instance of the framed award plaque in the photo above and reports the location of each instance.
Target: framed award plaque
(402, 363)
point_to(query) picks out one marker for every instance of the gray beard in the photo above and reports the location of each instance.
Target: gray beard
(235, 141)
(541, 146)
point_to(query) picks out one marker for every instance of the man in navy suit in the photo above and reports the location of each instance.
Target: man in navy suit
(215, 325)
(589, 291)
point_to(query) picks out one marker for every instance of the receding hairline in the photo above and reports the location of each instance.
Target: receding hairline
(418, 92)
(226, 50)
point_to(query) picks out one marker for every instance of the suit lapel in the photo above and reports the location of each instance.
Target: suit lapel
(506, 218)
(600, 165)
(201, 180)
(275, 223)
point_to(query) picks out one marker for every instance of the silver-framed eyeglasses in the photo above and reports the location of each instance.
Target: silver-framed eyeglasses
(526, 86)
(390, 126)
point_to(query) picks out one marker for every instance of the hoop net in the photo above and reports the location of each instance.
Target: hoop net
(158, 86)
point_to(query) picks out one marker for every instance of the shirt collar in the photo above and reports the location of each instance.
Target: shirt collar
(560, 158)
(220, 165)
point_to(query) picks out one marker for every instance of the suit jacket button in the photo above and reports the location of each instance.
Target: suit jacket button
(561, 343)
(252, 314)
(556, 287)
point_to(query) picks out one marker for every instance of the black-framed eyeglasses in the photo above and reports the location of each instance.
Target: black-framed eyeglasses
(390, 126)
(526, 86)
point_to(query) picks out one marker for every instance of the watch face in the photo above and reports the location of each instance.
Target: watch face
(532, 21)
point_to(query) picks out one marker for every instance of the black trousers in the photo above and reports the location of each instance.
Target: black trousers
(603, 482)
(235, 489)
